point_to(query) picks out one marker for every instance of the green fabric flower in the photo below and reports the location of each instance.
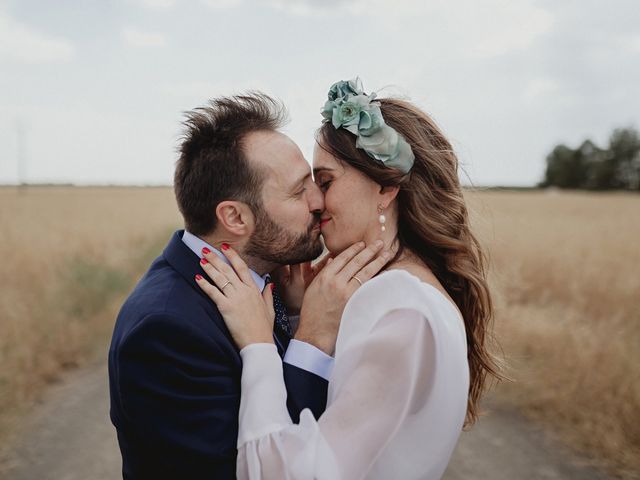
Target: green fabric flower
(350, 108)
(345, 87)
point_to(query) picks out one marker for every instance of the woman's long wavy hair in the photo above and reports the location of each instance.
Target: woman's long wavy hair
(433, 223)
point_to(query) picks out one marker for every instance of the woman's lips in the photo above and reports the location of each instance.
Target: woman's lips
(324, 222)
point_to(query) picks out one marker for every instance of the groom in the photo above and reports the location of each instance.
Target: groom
(174, 371)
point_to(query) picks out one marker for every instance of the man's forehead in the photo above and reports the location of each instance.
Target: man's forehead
(268, 148)
(264, 139)
(278, 156)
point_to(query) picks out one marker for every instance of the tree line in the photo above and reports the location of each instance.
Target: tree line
(616, 167)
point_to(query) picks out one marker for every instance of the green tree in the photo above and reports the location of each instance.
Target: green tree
(599, 171)
(590, 167)
(565, 168)
(624, 150)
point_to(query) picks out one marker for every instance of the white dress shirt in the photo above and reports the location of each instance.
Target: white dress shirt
(299, 354)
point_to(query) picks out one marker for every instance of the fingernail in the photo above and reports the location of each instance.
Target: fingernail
(203, 261)
(198, 277)
(361, 244)
(272, 286)
(379, 243)
(206, 251)
(225, 246)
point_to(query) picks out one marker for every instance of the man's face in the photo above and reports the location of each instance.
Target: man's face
(287, 229)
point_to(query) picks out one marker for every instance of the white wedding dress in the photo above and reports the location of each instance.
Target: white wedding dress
(397, 395)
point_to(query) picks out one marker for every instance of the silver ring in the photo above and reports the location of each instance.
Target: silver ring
(357, 280)
(222, 287)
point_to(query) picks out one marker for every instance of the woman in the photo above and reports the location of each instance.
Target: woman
(410, 357)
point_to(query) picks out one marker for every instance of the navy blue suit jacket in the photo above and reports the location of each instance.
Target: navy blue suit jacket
(174, 376)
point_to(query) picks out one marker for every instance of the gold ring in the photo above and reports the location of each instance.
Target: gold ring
(357, 280)
(222, 287)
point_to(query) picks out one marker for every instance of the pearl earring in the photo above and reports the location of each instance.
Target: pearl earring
(381, 218)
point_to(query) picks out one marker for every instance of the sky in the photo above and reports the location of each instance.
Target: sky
(94, 91)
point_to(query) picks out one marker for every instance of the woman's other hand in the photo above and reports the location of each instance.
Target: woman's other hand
(333, 285)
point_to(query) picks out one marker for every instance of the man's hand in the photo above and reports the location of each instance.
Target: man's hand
(293, 280)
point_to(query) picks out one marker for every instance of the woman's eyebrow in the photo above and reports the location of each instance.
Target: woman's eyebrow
(322, 169)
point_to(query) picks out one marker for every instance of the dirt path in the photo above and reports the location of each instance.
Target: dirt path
(69, 437)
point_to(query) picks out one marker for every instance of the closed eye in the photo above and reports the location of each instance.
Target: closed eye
(324, 185)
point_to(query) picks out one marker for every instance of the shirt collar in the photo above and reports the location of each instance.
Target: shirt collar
(196, 245)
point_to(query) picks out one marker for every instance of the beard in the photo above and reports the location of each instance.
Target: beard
(273, 243)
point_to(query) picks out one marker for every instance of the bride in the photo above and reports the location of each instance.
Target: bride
(410, 355)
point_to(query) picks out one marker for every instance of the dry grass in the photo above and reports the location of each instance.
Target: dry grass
(565, 275)
(69, 255)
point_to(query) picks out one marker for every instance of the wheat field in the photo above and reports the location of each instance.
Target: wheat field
(563, 273)
(69, 255)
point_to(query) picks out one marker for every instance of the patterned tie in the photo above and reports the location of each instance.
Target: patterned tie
(282, 320)
(281, 326)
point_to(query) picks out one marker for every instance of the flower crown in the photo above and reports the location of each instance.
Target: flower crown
(350, 108)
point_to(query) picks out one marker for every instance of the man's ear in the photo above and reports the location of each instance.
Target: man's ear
(388, 195)
(235, 217)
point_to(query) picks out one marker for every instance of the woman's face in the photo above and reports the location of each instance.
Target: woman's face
(351, 202)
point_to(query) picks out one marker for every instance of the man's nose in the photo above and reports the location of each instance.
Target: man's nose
(316, 199)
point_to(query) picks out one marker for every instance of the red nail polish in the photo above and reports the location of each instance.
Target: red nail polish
(203, 261)
(272, 286)
(198, 277)
(206, 251)
(225, 246)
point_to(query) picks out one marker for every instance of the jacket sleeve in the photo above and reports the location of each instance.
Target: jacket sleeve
(304, 390)
(179, 391)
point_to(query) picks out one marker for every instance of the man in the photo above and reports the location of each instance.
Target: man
(174, 371)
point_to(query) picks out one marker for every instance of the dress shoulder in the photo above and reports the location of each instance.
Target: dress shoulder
(396, 290)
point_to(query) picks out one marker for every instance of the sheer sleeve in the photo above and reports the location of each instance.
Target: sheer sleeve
(382, 377)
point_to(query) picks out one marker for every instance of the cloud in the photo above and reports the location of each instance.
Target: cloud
(138, 38)
(490, 28)
(221, 4)
(631, 42)
(506, 26)
(307, 8)
(199, 91)
(481, 30)
(158, 4)
(539, 89)
(21, 43)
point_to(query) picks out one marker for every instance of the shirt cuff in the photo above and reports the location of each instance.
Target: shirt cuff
(307, 357)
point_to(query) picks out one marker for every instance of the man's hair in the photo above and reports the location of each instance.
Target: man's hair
(213, 166)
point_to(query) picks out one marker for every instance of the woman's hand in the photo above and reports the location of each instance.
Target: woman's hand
(327, 295)
(247, 312)
(293, 281)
